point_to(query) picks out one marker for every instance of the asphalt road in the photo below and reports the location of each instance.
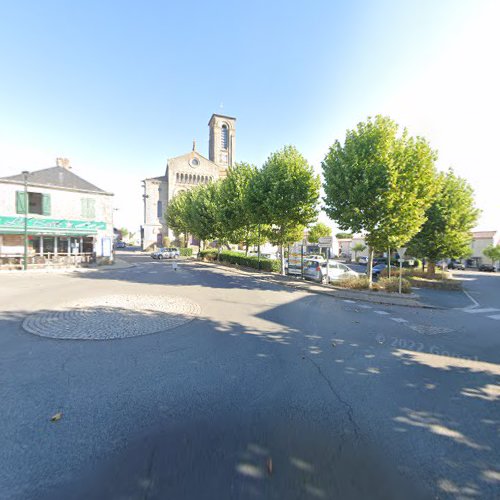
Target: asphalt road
(269, 393)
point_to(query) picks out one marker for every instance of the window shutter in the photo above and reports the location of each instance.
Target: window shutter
(46, 204)
(90, 208)
(84, 207)
(20, 202)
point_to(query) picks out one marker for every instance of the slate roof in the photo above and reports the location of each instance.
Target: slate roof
(56, 177)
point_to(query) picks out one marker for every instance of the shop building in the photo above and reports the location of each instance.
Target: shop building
(65, 219)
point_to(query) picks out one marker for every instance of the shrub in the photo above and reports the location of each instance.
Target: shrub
(361, 283)
(241, 259)
(392, 284)
(185, 252)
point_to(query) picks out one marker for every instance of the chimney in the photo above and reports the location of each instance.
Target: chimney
(64, 163)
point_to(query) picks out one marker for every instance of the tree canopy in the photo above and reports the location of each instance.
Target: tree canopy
(285, 195)
(319, 230)
(447, 230)
(380, 182)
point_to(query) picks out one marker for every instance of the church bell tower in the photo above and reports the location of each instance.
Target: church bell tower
(221, 140)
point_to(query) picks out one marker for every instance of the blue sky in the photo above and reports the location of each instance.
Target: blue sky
(118, 87)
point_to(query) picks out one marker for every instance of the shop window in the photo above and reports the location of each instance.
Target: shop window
(38, 203)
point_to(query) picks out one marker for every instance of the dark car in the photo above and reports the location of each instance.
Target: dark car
(456, 265)
(381, 267)
(121, 244)
(489, 268)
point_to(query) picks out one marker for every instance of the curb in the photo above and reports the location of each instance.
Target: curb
(335, 292)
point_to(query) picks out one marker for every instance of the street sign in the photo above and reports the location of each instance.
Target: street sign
(325, 240)
(401, 252)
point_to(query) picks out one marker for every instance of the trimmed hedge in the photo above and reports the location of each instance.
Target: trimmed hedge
(241, 259)
(185, 252)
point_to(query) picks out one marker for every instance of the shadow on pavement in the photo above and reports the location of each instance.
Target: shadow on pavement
(313, 408)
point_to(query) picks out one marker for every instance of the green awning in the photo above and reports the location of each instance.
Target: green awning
(63, 227)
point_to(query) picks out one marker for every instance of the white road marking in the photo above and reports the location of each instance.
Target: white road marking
(484, 310)
(472, 299)
(350, 301)
(399, 320)
(380, 312)
(364, 306)
(495, 316)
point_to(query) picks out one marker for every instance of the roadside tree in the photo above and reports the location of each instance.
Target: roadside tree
(379, 182)
(235, 211)
(450, 219)
(284, 194)
(176, 216)
(319, 230)
(358, 247)
(492, 252)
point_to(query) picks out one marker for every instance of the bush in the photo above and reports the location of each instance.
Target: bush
(361, 283)
(185, 252)
(392, 284)
(241, 259)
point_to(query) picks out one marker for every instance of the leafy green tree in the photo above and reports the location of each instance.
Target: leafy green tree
(447, 230)
(285, 195)
(235, 211)
(319, 230)
(176, 216)
(358, 247)
(124, 232)
(493, 252)
(342, 236)
(203, 214)
(379, 182)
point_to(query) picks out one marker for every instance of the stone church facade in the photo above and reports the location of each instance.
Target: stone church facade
(186, 172)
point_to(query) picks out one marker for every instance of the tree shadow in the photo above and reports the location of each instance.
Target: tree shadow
(197, 411)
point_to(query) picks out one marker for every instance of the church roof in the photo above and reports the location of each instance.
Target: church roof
(221, 116)
(56, 177)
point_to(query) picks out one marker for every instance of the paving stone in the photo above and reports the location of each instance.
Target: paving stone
(112, 317)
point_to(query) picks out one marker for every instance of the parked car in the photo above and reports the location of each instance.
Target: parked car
(317, 270)
(456, 265)
(120, 244)
(363, 260)
(381, 267)
(489, 268)
(166, 253)
(314, 257)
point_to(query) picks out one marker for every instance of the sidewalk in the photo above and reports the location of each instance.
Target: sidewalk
(408, 300)
(118, 264)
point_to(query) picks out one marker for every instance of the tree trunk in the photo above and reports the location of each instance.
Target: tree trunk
(431, 268)
(389, 262)
(370, 266)
(282, 258)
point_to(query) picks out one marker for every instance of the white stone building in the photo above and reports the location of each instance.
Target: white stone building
(185, 172)
(67, 218)
(481, 240)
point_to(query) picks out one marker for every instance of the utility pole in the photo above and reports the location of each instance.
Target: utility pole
(25, 178)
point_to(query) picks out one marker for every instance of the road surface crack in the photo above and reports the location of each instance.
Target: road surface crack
(346, 404)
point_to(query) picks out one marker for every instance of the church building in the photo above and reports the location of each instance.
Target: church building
(185, 172)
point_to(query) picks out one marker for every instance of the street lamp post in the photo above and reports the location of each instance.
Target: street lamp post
(25, 178)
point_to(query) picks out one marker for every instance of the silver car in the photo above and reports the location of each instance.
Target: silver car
(317, 270)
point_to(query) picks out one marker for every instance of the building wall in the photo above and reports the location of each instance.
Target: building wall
(64, 204)
(182, 174)
(480, 242)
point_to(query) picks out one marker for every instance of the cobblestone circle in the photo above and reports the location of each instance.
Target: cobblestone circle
(112, 317)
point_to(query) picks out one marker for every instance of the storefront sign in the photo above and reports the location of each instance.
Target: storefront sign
(295, 259)
(15, 225)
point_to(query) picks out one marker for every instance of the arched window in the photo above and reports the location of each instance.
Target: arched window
(177, 176)
(190, 178)
(224, 136)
